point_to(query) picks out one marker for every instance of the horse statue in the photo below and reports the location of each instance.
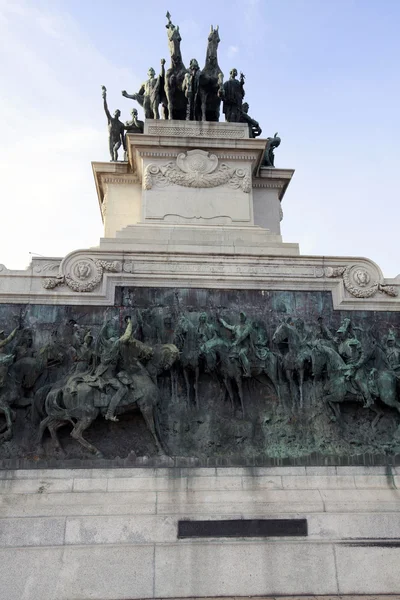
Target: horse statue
(175, 75)
(211, 80)
(81, 404)
(296, 359)
(338, 388)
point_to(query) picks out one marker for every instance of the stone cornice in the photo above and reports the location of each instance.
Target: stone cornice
(90, 277)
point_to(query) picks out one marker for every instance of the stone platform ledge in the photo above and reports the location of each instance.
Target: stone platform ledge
(90, 276)
(362, 464)
(172, 127)
(341, 597)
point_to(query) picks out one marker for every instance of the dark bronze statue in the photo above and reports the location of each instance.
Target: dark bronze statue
(134, 125)
(211, 80)
(175, 75)
(254, 127)
(269, 156)
(116, 130)
(151, 93)
(192, 91)
(120, 382)
(233, 94)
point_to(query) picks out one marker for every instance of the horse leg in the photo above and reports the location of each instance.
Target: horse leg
(196, 386)
(379, 414)
(52, 427)
(335, 408)
(229, 389)
(187, 382)
(148, 415)
(301, 381)
(170, 103)
(78, 430)
(203, 106)
(240, 391)
(42, 428)
(7, 435)
(292, 388)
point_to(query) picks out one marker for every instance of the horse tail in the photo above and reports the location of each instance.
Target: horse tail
(38, 405)
(53, 407)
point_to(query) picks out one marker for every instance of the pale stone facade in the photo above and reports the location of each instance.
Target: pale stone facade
(112, 533)
(193, 208)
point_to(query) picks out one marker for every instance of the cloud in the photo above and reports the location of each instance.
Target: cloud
(54, 126)
(232, 51)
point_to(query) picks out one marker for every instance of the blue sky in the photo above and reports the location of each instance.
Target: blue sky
(323, 73)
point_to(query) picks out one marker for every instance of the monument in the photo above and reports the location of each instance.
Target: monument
(195, 376)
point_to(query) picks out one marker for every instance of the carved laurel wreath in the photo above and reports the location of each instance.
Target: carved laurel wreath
(356, 291)
(94, 277)
(197, 169)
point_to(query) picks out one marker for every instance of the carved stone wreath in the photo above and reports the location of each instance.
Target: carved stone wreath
(85, 275)
(197, 169)
(357, 281)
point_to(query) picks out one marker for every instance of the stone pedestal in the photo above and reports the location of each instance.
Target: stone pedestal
(191, 175)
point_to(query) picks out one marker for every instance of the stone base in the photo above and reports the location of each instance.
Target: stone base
(112, 534)
(199, 240)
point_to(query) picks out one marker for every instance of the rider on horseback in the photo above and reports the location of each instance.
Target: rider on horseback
(107, 373)
(392, 352)
(352, 352)
(240, 346)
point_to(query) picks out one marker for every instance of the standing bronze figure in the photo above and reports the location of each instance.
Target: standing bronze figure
(116, 130)
(233, 97)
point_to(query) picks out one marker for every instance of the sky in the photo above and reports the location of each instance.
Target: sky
(323, 73)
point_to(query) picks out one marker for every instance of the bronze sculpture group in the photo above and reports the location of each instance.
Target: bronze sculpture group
(192, 94)
(78, 376)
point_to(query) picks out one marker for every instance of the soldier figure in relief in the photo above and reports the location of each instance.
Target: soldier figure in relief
(241, 341)
(392, 352)
(107, 373)
(351, 351)
(5, 359)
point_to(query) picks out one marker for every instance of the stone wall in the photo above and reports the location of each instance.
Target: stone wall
(112, 534)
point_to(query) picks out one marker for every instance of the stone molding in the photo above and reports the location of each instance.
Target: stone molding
(358, 281)
(83, 274)
(275, 185)
(91, 276)
(197, 131)
(196, 169)
(120, 179)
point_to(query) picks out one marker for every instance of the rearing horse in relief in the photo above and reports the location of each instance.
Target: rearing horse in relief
(211, 80)
(175, 75)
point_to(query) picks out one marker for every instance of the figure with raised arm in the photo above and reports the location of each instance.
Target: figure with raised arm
(151, 93)
(116, 129)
